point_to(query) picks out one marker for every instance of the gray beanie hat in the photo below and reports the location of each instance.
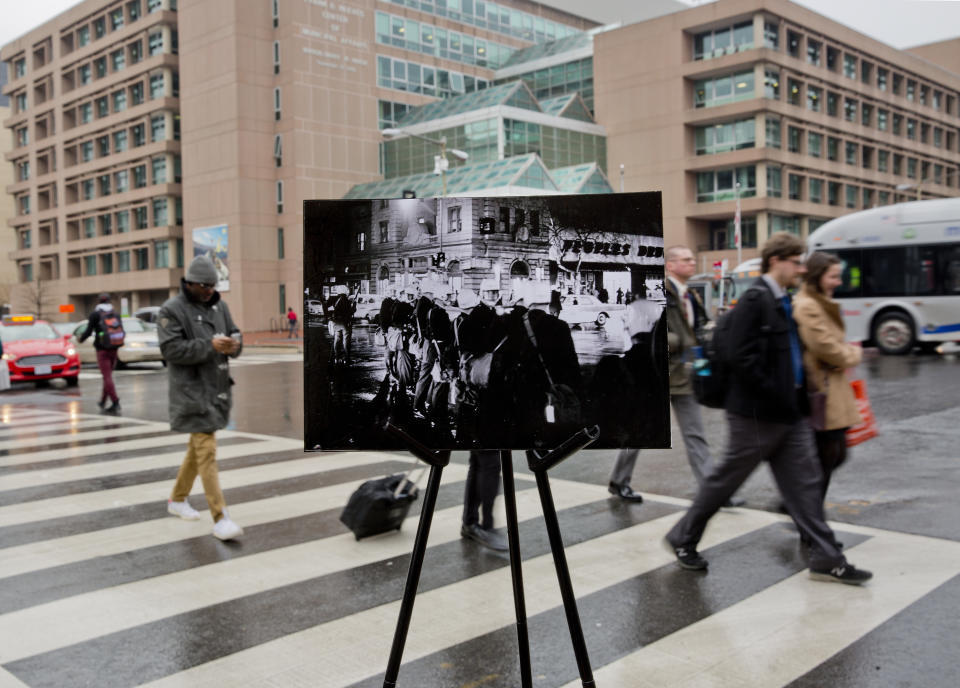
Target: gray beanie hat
(202, 270)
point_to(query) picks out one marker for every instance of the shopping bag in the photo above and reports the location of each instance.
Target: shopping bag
(867, 429)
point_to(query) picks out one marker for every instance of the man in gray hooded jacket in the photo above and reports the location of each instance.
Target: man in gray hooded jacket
(197, 337)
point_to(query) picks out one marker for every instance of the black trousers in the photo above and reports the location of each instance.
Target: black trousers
(483, 483)
(832, 452)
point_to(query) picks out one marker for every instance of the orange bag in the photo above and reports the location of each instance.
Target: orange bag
(868, 428)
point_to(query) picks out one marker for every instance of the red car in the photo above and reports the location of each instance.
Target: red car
(35, 352)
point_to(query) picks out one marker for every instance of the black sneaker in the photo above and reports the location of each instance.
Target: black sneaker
(490, 539)
(114, 410)
(845, 573)
(688, 557)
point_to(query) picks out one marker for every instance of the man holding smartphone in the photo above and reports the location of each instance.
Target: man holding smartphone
(197, 339)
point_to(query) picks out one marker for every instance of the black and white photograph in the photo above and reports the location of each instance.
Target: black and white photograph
(493, 322)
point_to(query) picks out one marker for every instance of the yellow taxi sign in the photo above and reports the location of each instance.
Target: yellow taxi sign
(18, 320)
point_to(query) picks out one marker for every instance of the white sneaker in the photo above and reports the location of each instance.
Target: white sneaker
(183, 510)
(225, 529)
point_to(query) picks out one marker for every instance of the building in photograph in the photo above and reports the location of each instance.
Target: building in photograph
(811, 118)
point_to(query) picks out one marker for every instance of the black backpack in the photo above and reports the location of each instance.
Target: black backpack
(342, 309)
(112, 335)
(711, 374)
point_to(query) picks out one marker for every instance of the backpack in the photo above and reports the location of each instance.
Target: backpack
(342, 311)
(711, 374)
(113, 334)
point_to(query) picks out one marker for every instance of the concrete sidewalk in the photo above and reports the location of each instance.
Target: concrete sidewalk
(275, 341)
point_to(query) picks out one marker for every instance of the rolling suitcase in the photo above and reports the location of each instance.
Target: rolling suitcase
(380, 505)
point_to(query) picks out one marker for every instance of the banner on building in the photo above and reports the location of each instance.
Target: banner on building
(477, 334)
(213, 243)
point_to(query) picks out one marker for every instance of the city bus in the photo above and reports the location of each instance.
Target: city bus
(734, 284)
(901, 273)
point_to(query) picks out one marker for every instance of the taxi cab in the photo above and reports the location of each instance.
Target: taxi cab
(34, 351)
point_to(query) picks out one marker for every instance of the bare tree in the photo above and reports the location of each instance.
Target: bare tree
(34, 297)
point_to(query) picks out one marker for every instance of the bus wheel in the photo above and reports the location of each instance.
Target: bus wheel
(893, 333)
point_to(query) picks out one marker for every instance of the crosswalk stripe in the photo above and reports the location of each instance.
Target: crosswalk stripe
(149, 492)
(58, 427)
(11, 418)
(83, 435)
(125, 606)
(74, 548)
(786, 630)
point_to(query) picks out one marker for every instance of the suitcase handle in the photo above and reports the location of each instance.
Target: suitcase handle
(406, 479)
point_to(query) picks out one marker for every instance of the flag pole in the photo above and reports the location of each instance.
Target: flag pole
(736, 224)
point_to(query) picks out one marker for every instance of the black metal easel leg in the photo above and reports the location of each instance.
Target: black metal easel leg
(436, 460)
(563, 576)
(516, 572)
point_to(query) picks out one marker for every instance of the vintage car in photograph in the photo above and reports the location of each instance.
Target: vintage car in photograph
(34, 351)
(584, 309)
(141, 343)
(368, 308)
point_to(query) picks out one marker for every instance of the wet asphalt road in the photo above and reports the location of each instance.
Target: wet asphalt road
(905, 481)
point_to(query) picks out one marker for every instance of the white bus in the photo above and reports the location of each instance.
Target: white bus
(901, 273)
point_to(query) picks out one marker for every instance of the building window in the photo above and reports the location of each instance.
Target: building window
(103, 106)
(158, 128)
(773, 132)
(793, 92)
(795, 187)
(83, 74)
(815, 188)
(86, 151)
(103, 146)
(851, 193)
(882, 119)
(87, 189)
(793, 139)
(814, 144)
(159, 166)
(83, 36)
(279, 196)
(866, 114)
(850, 109)
(718, 138)
(155, 43)
(851, 153)
(282, 293)
(139, 137)
(866, 72)
(384, 231)
(833, 148)
(89, 227)
(121, 180)
(107, 260)
(133, 10)
(136, 93)
(814, 97)
(141, 257)
(784, 223)
(454, 223)
(774, 181)
(897, 124)
(833, 104)
(90, 265)
(123, 221)
(924, 132)
(156, 86)
(793, 43)
(867, 198)
(24, 204)
(771, 84)
(280, 251)
(123, 261)
(119, 101)
(361, 241)
(154, 5)
(867, 157)
(99, 27)
(23, 137)
(724, 41)
(161, 252)
(911, 89)
(86, 113)
(276, 57)
(883, 159)
(160, 215)
(833, 57)
(21, 102)
(119, 60)
(23, 171)
(275, 13)
(136, 52)
(912, 168)
(276, 103)
(139, 176)
(897, 83)
(771, 36)
(937, 137)
(897, 163)
(120, 141)
(140, 217)
(278, 149)
(104, 183)
(725, 89)
(813, 52)
(882, 75)
(850, 66)
(100, 67)
(719, 185)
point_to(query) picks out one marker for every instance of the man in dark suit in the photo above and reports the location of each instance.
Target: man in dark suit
(766, 408)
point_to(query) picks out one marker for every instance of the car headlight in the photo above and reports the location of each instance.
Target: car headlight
(71, 351)
(136, 345)
(9, 357)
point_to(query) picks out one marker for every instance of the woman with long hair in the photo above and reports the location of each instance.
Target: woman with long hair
(827, 357)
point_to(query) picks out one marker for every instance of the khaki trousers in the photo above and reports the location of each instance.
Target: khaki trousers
(201, 458)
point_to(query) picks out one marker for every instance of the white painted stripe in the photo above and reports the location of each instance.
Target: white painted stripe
(8, 680)
(452, 614)
(129, 538)
(73, 505)
(8, 419)
(65, 426)
(94, 449)
(82, 436)
(72, 620)
(781, 633)
(103, 469)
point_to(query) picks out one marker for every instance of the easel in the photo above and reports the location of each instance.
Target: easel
(539, 462)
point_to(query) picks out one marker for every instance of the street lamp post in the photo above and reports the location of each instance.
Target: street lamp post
(441, 163)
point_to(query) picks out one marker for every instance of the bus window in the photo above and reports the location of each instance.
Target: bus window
(852, 274)
(950, 271)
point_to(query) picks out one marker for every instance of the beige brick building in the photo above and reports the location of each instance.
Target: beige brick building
(811, 117)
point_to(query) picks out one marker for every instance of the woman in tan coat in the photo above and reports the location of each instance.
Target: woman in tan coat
(826, 358)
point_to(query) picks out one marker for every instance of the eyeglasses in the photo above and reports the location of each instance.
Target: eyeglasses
(205, 285)
(796, 261)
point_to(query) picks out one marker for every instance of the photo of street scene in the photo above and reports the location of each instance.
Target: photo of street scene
(501, 323)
